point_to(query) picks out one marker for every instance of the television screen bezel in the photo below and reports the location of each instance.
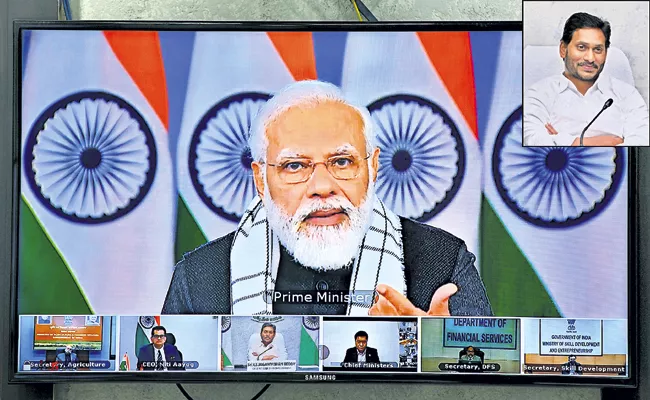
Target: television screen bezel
(422, 377)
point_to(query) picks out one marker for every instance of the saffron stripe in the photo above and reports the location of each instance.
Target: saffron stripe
(450, 55)
(297, 51)
(140, 54)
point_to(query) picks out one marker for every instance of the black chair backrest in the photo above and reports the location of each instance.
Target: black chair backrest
(171, 339)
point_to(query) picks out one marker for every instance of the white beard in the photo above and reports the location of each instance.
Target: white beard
(322, 247)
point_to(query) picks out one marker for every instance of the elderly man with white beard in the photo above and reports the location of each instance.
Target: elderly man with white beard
(316, 225)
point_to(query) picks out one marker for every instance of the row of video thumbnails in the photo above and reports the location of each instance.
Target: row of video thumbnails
(91, 343)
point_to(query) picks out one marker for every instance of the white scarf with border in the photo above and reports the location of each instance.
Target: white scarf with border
(255, 257)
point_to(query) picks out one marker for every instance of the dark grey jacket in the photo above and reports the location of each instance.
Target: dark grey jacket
(432, 258)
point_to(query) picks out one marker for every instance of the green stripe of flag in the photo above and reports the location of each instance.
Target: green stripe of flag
(188, 233)
(225, 360)
(45, 283)
(308, 349)
(513, 287)
(141, 339)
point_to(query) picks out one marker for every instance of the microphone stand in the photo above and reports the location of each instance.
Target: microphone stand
(260, 355)
(607, 104)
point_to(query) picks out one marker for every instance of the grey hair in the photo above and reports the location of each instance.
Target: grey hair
(309, 93)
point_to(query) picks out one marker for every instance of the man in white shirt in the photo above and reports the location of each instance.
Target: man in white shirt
(558, 108)
(266, 346)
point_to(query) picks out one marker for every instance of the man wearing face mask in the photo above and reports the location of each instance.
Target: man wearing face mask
(318, 225)
(558, 108)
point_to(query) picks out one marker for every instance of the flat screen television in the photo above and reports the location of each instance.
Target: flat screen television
(169, 192)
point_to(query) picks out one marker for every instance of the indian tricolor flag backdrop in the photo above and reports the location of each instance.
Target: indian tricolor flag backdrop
(97, 193)
(231, 75)
(308, 353)
(419, 90)
(417, 85)
(143, 331)
(227, 355)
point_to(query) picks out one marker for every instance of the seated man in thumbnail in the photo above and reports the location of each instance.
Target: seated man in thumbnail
(67, 358)
(317, 222)
(571, 367)
(470, 357)
(266, 346)
(361, 352)
(159, 355)
(557, 109)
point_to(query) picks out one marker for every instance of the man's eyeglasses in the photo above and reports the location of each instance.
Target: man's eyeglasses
(298, 170)
(158, 336)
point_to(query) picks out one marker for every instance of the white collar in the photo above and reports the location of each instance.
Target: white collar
(603, 83)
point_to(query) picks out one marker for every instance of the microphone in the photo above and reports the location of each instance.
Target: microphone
(260, 355)
(605, 106)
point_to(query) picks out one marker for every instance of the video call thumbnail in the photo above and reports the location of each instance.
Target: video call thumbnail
(575, 347)
(169, 343)
(270, 343)
(67, 343)
(471, 345)
(370, 344)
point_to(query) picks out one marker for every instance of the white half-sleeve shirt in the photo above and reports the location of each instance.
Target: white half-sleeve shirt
(558, 101)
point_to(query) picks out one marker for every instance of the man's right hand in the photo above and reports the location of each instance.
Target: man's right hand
(392, 302)
(550, 129)
(601, 140)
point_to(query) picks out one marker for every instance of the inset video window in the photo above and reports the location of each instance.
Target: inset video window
(367, 344)
(575, 347)
(270, 343)
(67, 343)
(471, 345)
(169, 343)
